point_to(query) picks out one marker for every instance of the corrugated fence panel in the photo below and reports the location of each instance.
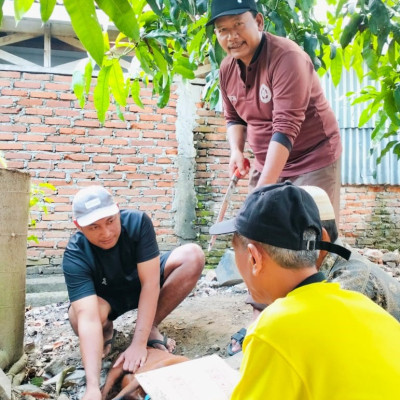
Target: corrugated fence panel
(358, 165)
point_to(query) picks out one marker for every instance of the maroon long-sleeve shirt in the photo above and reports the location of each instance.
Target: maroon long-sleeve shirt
(281, 93)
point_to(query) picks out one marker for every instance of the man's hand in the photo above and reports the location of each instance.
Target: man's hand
(132, 358)
(237, 160)
(92, 393)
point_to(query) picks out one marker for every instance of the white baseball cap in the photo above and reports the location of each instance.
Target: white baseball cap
(93, 203)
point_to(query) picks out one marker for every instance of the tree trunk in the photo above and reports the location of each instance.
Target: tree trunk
(14, 214)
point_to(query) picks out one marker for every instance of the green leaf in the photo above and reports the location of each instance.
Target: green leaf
(277, 21)
(102, 93)
(292, 4)
(390, 107)
(88, 75)
(337, 67)
(1, 11)
(21, 7)
(392, 53)
(377, 133)
(78, 85)
(46, 9)
(87, 27)
(119, 112)
(123, 16)
(154, 6)
(164, 95)
(350, 30)
(396, 96)
(117, 83)
(135, 91)
(160, 61)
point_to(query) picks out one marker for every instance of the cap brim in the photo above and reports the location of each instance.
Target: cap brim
(98, 214)
(223, 227)
(232, 12)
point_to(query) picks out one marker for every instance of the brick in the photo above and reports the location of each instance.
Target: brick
(62, 78)
(10, 110)
(67, 96)
(125, 168)
(69, 148)
(10, 146)
(52, 175)
(4, 118)
(28, 119)
(6, 101)
(116, 142)
(116, 124)
(100, 132)
(132, 160)
(141, 125)
(30, 138)
(150, 117)
(47, 156)
(164, 160)
(128, 133)
(151, 150)
(166, 127)
(33, 77)
(77, 157)
(43, 95)
(17, 156)
(39, 165)
(57, 121)
(38, 147)
(97, 149)
(30, 102)
(15, 164)
(27, 84)
(58, 104)
(67, 113)
(57, 87)
(10, 74)
(123, 150)
(102, 159)
(153, 134)
(86, 123)
(39, 111)
(70, 165)
(71, 131)
(12, 128)
(87, 140)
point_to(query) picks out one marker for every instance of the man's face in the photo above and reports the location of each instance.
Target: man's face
(103, 233)
(239, 35)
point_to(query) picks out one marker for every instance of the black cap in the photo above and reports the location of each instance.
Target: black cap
(278, 215)
(219, 8)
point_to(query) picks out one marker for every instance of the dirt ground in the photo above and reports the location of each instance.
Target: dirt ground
(201, 325)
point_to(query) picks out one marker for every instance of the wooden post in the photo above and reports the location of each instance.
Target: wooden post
(14, 214)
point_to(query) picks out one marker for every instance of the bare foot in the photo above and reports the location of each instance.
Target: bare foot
(158, 341)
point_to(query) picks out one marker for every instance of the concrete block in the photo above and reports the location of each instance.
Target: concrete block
(5, 386)
(227, 272)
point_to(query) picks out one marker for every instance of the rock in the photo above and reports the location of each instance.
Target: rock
(5, 386)
(31, 390)
(63, 396)
(211, 276)
(391, 257)
(374, 255)
(55, 367)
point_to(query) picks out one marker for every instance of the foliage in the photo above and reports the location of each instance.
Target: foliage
(38, 200)
(367, 34)
(169, 38)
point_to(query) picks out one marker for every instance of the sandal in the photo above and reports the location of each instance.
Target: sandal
(238, 337)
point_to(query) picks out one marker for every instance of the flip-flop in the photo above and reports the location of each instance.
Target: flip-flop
(238, 337)
(163, 342)
(110, 342)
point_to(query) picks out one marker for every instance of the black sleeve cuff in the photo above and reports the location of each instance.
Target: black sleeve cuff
(282, 139)
(239, 122)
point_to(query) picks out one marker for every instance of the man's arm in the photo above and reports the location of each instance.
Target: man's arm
(136, 354)
(275, 161)
(237, 139)
(90, 334)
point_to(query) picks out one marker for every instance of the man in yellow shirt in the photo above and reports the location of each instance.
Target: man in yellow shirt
(315, 341)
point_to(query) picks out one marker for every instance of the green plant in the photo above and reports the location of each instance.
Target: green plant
(38, 200)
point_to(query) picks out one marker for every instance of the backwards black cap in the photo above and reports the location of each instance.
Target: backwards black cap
(278, 215)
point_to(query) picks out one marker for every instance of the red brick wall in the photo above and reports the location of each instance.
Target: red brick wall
(44, 131)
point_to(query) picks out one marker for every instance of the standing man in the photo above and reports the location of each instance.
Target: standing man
(113, 265)
(315, 340)
(272, 98)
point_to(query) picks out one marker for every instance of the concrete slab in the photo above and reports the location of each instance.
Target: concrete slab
(227, 272)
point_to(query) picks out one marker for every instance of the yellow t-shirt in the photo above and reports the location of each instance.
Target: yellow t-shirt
(321, 342)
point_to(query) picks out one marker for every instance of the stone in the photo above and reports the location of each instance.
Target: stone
(374, 255)
(391, 257)
(211, 276)
(227, 272)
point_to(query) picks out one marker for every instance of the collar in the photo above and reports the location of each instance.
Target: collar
(314, 278)
(257, 52)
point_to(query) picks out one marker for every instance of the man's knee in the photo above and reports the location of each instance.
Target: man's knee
(195, 257)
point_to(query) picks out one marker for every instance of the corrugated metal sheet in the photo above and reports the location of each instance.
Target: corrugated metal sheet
(358, 165)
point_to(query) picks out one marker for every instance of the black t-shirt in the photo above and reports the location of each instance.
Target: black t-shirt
(90, 270)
